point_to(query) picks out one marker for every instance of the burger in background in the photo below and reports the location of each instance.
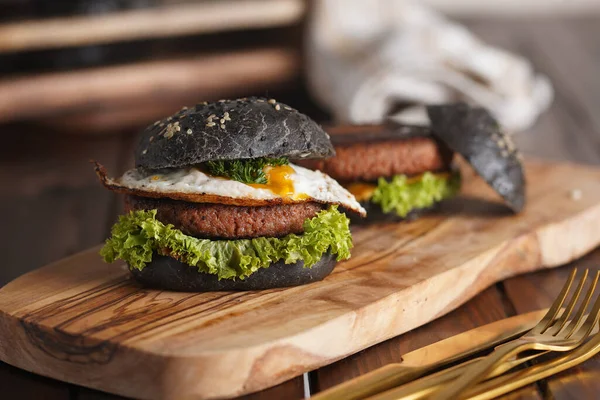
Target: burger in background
(397, 172)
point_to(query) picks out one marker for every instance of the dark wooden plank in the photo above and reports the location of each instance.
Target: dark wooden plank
(81, 393)
(486, 307)
(530, 392)
(100, 94)
(539, 289)
(53, 206)
(170, 19)
(292, 389)
(581, 382)
(18, 384)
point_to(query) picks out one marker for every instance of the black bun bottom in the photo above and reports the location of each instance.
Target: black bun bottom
(376, 215)
(166, 273)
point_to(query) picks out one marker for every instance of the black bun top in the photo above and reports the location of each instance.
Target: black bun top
(229, 130)
(476, 135)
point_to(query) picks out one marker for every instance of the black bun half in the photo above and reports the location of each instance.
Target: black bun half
(229, 130)
(166, 273)
(475, 134)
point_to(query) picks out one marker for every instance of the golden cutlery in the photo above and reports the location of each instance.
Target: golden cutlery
(551, 334)
(509, 382)
(426, 386)
(423, 361)
(501, 384)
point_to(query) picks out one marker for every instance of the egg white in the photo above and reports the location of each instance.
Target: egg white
(308, 185)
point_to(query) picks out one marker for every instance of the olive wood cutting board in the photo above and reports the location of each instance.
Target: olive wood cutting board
(82, 321)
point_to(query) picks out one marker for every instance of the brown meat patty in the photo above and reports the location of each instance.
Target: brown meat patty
(219, 221)
(368, 161)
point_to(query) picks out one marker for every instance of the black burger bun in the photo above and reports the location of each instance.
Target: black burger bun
(229, 130)
(167, 273)
(476, 135)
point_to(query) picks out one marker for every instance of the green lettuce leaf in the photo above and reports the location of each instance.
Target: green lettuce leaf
(401, 196)
(137, 235)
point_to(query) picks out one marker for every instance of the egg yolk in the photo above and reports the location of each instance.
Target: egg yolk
(279, 181)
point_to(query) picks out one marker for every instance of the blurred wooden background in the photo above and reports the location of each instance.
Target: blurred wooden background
(92, 66)
(103, 66)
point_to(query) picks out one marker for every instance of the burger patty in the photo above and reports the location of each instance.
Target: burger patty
(369, 161)
(219, 221)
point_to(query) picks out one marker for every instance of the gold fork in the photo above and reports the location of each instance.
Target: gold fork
(506, 383)
(499, 382)
(550, 334)
(424, 387)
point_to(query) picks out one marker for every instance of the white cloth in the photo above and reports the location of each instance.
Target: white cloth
(366, 57)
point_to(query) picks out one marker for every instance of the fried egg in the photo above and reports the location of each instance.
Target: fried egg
(287, 184)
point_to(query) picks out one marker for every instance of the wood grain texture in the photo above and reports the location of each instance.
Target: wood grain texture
(85, 322)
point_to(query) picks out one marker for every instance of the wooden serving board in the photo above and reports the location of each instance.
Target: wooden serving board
(83, 321)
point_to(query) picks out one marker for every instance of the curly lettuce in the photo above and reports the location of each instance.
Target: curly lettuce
(401, 195)
(138, 235)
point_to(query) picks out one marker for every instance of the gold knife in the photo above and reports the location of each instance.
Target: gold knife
(433, 357)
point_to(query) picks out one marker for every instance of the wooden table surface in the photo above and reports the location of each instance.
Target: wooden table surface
(52, 207)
